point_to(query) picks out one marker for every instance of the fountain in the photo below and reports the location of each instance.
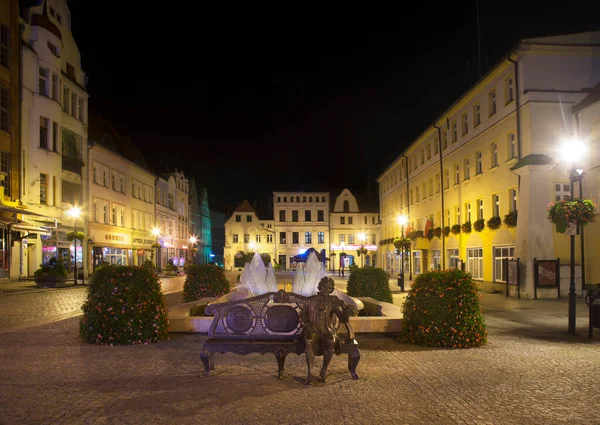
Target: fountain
(256, 279)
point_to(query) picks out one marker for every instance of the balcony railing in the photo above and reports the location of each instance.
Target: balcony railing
(72, 164)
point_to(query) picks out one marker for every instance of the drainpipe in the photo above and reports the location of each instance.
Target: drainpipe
(442, 195)
(408, 210)
(19, 139)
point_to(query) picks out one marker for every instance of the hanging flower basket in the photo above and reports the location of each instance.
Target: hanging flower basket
(437, 232)
(479, 225)
(510, 219)
(466, 227)
(456, 229)
(565, 213)
(71, 236)
(494, 223)
(447, 231)
(401, 243)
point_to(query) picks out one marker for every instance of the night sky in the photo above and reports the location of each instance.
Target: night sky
(249, 102)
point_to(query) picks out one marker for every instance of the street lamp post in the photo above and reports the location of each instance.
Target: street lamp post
(342, 258)
(156, 233)
(361, 238)
(193, 240)
(572, 153)
(75, 212)
(402, 220)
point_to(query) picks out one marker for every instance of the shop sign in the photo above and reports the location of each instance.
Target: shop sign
(114, 238)
(141, 241)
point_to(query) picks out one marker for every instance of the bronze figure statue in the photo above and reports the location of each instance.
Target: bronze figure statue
(320, 319)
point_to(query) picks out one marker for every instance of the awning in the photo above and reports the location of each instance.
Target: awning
(31, 229)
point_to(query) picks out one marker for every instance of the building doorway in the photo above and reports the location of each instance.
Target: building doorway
(283, 261)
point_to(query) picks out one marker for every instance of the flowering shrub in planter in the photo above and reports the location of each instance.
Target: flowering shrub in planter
(266, 257)
(479, 225)
(125, 305)
(437, 232)
(204, 280)
(466, 227)
(370, 282)
(494, 223)
(510, 219)
(564, 213)
(442, 310)
(447, 230)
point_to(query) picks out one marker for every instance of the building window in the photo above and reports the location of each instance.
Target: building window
(294, 216)
(510, 93)
(310, 199)
(70, 70)
(501, 253)
(307, 237)
(55, 87)
(422, 157)
(436, 146)
(66, 97)
(238, 218)
(496, 205)
(113, 178)
(417, 262)
(437, 263)
(282, 237)
(447, 218)
(43, 189)
(4, 45)
(494, 152)
(468, 208)
(457, 214)
(269, 238)
(366, 220)
(456, 174)
(350, 220)
(512, 146)
(447, 178)
(257, 238)
(492, 102)
(80, 109)
(563, 191)
(4, 108)
(373, 239)
(417, 193)
(513, 199)
(122, 217)
(295, 237)
(307, 215)
(464, 124)
(480, 215)
(444, 139)
(428, 151)
(235, 238)
(342, 239)
(114, 215)
(453, 258)
(246, 238)
(248, 218)
(478, 163)
(95, 210)
(321, 237)
(320, 215)
(431, 186)
(351, 239)
(53, 49)
(43, 81)
(73, 104)
(437, 183)
(342, 220)
(476, 115)
(467, 169)
(55, 136)
(454, 132)
(281, 215)
(475, 262)
(43, 132)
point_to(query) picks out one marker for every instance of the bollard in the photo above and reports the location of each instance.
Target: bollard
(401, 282)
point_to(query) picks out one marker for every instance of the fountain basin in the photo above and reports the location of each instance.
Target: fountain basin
(379, 317)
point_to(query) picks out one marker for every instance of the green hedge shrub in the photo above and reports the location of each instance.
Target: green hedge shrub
(204, 280)
(442, 310)
(125, 305)
(370, 282)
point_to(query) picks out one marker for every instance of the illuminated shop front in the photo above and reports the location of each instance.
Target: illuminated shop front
(110, 247)
(57, 246)
(173, 249)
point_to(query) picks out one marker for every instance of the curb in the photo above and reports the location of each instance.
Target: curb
(37, 290)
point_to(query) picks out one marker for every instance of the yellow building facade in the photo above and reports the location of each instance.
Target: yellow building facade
(493, 152)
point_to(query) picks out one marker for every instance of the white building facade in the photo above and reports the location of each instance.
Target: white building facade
(351, 229)
(301, 222)
(54, 131)
(245, 232)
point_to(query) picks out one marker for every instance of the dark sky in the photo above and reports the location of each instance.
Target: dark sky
(251, 101)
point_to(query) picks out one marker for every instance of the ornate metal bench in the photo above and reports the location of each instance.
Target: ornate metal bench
(268, 323)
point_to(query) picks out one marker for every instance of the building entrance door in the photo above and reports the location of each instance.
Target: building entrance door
(282, 261)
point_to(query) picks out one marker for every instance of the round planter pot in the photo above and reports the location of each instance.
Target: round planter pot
(49, 281)
(170, 273)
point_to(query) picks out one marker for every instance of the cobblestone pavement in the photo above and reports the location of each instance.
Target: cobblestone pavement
(25, 310)
(49, 377)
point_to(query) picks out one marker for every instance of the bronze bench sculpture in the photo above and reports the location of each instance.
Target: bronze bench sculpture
(282, 323)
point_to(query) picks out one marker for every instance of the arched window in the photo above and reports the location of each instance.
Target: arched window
(346, 206)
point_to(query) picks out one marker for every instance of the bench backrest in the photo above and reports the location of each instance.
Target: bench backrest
(274, 315)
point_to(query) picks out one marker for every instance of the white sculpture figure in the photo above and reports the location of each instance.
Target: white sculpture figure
(307, 278)
(256, 279)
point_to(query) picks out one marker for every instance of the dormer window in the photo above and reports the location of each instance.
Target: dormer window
(70, 70)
